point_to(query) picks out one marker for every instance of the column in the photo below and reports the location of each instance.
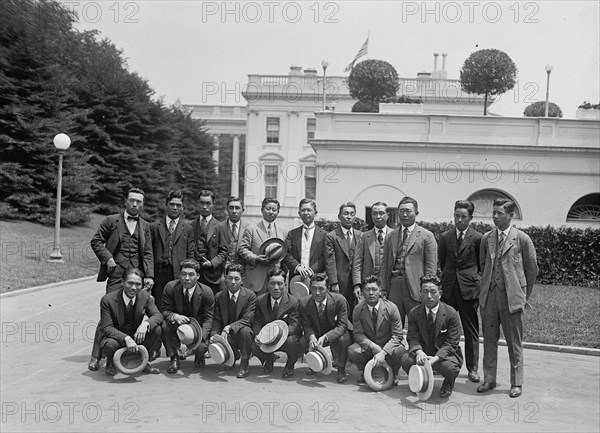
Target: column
(215, 138)
(235, 166)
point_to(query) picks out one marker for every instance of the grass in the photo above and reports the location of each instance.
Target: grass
(26, 246)
(563, 315)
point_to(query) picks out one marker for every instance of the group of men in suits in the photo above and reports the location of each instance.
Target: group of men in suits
(496, 270)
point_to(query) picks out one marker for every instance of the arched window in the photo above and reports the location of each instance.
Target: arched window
(484, 203)
(587, 208)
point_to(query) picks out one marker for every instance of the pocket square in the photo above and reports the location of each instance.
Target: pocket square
(443, 331)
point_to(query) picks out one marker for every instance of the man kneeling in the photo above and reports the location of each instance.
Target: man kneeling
(433, 335)
(377, 330)
(182, 300)
(122, 319)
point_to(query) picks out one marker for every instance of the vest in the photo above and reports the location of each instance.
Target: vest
(128, 253)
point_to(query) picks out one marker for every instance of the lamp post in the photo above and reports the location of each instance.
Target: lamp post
(324, 64)
(548, 70)
(62, 143)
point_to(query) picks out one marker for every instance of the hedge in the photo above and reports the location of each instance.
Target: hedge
(566, 256)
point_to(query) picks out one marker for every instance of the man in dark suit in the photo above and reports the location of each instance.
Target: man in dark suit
(458, 255)
(128, 317)
(306, 244)
(234, 316)
(324, 318)
(369, 250)
(209, 251)
(377, 330)
(122, 241)
(434, 335)
(172, 242)
(277, 304)
(253, 238)
(510, 268)
(182, 299)
(409, 252)
(340, 246)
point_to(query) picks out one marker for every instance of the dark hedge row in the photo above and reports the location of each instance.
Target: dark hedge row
(566, 256)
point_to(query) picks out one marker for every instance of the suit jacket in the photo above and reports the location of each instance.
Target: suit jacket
(203, 304)
(112, 314)
(339, 259)
(287, 311)
(107, 240)
(231, 244)
(364, 256)
(519, 266)
(183, 244)
(421, 258)
(337, 316)
(460, 266)
(248, 248)
(294, 250)
(447, 332)
(388, 331)
(244, 313)
(210, 246)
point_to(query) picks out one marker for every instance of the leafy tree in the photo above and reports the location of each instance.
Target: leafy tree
(488, 72)
(538, 109)
(372, 80)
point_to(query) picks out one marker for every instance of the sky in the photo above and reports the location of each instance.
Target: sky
(201, 52)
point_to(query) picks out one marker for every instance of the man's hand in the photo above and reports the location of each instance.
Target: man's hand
(262, 259)
(225, 332)
(312, 342)
(131, 346)
(304, 271)
(322, 340)
(180, 319)
(357, 291)
(110, 265)
(421, 357)
(140, 333)
(206, 263)
(335, 288)
(379, 357)
(148, 284)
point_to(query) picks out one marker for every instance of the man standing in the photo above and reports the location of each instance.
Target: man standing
(409, 252)
(253, 238)
(305, 244)
(277, 304)
(369, 250)
(172, 242)
(377, 330)
(434, 336)
(340, 246)
(183, 299)
(128, 317)
(510, 268)
(458, 255)
(122, 241)
(209, 251)
(324, 318)
(232, 229)
(234, 316)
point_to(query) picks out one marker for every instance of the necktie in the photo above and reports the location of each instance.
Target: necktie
(349, 237)
(431, 329)
(275, 307)
(203, 224)
(321, 308)
(269, 230)
(231, 310)
(460, 239)
(380, 236)
(306, 233)
(374, 317)
(130, 306)
(404, 235)
(187, 308)
(172, 226)
(133, 218)
(234, 231)
(500, 245)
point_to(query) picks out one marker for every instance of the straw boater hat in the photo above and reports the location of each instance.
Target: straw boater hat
(220, 351)
(275, 250)
(190, 334)
(319, 360)
(272, 336)
(128, 362)
(298, 287)
(380, 377)
(420, 380)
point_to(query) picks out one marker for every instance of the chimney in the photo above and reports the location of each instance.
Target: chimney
(310, 72)
(444, 61)
(295, 70)
(435, 59)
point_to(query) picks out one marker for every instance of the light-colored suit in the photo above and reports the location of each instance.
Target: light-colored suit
(367, 251)
(338, 261)
(248, 249)
(227, 240)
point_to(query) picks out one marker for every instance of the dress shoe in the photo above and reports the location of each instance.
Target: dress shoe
(361, 379)
(342, 376)
(268, 368)
(473, 376)
(151, 370)
(515, 391)
(199, 361)
(486, 386)
(243, 373)
(154, 355)
(311, 372)
(110, 369)
(94, 364)
(445, 392)
(288, 372)
(334, 363)
(173, 366)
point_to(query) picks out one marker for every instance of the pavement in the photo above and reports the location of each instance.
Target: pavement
(45, 386)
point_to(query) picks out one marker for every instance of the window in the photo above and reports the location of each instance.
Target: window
(271, 179)
(272, 129)
(484, 203)
(587, 208)
(310, 181)
(311, 126)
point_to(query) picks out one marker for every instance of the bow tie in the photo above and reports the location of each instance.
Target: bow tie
(133, 218)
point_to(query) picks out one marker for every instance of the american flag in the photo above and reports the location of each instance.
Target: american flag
(362, 52)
